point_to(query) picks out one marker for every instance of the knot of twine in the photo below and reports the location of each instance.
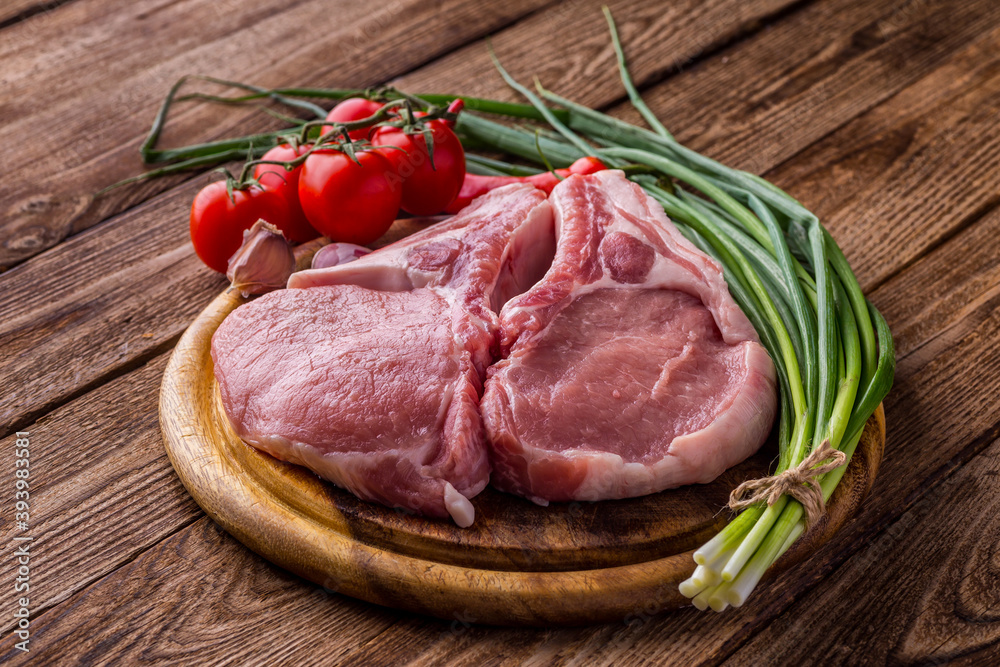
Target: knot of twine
(799, 482)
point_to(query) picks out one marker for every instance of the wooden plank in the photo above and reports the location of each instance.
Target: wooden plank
(823, 67)
(133, 288)
(914, 170)
(429, 642)
(757, 104)
(199, 597)
(933, 307)
(569, 49)
(88, 96)
(100, 319)
(101, 488)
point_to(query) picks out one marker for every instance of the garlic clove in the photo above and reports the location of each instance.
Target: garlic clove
(335, 254)
(264, 261)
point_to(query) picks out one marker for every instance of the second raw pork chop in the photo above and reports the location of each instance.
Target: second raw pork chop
(371, 377)
(629, 368)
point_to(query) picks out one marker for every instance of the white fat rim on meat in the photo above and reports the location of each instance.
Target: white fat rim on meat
(459, 507)
(686, 461)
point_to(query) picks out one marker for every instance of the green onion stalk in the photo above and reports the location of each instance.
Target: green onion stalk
(831, 348)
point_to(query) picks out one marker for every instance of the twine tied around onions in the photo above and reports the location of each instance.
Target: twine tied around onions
(799, 482)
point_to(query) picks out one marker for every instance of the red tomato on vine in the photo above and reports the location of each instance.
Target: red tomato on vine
(348, 201)
(353, 108)
(286, 183)
(427, 188)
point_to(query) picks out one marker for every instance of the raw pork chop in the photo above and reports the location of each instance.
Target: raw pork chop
(371, 377)
(630, 369)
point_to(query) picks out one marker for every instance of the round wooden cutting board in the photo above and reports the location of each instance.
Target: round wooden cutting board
(518, 564)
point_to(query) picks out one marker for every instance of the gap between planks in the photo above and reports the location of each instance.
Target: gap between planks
(113, 373)
(966, 223)
(24, 10)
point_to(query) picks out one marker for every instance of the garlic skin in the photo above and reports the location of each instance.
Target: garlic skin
(335, 254)
(264, 261)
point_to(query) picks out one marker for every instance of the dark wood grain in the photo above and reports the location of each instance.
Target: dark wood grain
(912, 171)
(119, 58)
(943, 298)
(215, 602)
(16, 11)
(101, 488)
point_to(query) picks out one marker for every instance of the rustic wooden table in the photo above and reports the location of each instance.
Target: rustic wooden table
(884, 117)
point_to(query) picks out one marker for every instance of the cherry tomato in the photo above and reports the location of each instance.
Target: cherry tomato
(353, 108)
(427, 188)
(347, 201)
(286, 183)
(217, 222)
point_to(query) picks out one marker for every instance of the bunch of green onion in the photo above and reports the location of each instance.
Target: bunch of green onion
(832, 349)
